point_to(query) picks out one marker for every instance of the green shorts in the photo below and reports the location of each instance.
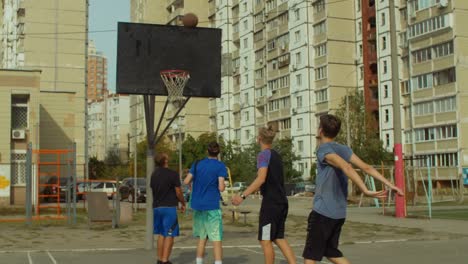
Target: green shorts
(208, 224)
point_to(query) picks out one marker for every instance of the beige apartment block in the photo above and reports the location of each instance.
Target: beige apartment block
(20, 117)
(50, 36)
(434, 93)
(194, 119)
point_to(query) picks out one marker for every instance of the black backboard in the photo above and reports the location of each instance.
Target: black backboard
(143, 50)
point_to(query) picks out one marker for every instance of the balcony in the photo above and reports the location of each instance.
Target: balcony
(236, 107)
(283, 7)
(235, 3)
(260, 101)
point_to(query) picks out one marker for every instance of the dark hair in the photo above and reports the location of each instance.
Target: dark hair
(330, 125)
(161, 159)
(213, 149)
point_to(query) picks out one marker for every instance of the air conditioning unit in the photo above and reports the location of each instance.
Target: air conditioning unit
(18, 134)
(294, 110)
(234, 70)
(270, 94)
(294, 67)
(259, 101)
(413, 15)
(245, 67)
(443, 3)
(266, 14)
(261, 61)
(283, 47)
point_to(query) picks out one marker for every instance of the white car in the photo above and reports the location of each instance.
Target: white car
(107, 187)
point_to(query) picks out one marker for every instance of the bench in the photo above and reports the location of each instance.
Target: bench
(243, 212)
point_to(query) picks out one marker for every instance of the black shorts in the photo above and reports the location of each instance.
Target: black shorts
(323, 235)
(271, 222)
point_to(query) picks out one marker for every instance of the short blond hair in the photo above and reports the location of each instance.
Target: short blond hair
(267, 134)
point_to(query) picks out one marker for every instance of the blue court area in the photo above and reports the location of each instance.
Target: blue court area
(383, 252)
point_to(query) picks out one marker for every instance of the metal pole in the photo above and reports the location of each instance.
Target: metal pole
(149, 118)
(400, 205)
(348, 129)
(180, 149)
(135, 169)
(429, 187)
(69, 178)
(74, 182)
(29, 185)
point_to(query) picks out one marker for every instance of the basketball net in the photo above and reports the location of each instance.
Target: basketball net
(175, 81)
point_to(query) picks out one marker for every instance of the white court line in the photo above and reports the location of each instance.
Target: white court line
(185, 247)
(29, 257)
(51, 257)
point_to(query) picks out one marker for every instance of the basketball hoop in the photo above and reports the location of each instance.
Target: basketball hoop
(175, 81)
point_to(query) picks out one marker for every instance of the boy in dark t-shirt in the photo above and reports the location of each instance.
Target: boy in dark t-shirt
(165, 186)
(274, 209)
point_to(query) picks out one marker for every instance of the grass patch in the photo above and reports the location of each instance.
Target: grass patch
(457, 214)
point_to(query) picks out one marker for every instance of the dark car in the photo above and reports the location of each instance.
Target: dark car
(54, 186)
(127, 190)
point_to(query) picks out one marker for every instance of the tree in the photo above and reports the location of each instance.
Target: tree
(164, 146)
(96, 168)
(364, 137)
(285, 147)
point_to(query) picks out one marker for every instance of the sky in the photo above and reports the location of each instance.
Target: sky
(104, 15)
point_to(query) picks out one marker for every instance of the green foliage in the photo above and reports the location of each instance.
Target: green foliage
(364, 137)
(285, 148)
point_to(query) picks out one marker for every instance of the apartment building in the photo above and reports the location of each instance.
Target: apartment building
(49, 40)
(194, 119)
(97, 73)
(289, 62)
(434, 49)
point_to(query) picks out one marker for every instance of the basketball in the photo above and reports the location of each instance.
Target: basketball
(190, 20)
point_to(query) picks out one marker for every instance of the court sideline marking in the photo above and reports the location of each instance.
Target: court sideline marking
(51, 257)
(29, 257)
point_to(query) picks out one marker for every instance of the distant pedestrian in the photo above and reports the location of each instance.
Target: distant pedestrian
(274, 208)
(330, 200)
(207, 177)
(167, 194)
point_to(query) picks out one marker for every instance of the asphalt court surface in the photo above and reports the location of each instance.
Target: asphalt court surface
(402, 252)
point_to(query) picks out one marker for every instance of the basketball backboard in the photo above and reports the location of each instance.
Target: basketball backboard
(143, 50)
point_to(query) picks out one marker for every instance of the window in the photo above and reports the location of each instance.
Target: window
(361, 73)
(422, 109)
(299, 80)
(19, 116)
(297, 36)
(385, 67)
(285, 124)
(321, 96)
(444, 77)
(246, 98)
(246, 24)
(259, 54)
(446, 132)
(438, 160)
(385, 91)
(246, 116)
(222, 120)
(258, 36)
(259, 74)
(445, 105)
(318, 6)
(423, 4)
(387, 139)
(283, 60)
(18, 167)
(422, 55)
(258, 18)
(279, 104)
(298, 58)
(247, 134)
(424, 134)
(360, 50)
(382, 19)
(300, 124)
(384, 43)
(429, 25)
(245, 6)
(320, 28)
(270, 5)
(321, 50)
(359, 28)
(321, 73)
(300, 145)
(297, 14)
(443, 49)
(283, 18)
(359, 5)
(422, 81)
(299, 101)
(387, 116)
(246, 44)
(271, 45)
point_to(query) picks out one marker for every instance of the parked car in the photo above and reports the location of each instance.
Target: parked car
(129, 190)
(310, 188)
(58, 186)
(299, 187)
(84, 187)
(107, 187)
(239, 186)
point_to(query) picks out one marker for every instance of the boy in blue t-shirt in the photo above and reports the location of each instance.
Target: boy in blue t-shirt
(207, 177)
(330, 200)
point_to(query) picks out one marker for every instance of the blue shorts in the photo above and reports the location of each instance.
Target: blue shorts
(165, 221)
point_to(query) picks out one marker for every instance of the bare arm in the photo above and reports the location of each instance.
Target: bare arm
(368, 169)
(257, 183)
(337, 162)
(221, 185)
(180, 195)
(188, 179)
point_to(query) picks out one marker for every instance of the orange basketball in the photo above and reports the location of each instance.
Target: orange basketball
(190, 20)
